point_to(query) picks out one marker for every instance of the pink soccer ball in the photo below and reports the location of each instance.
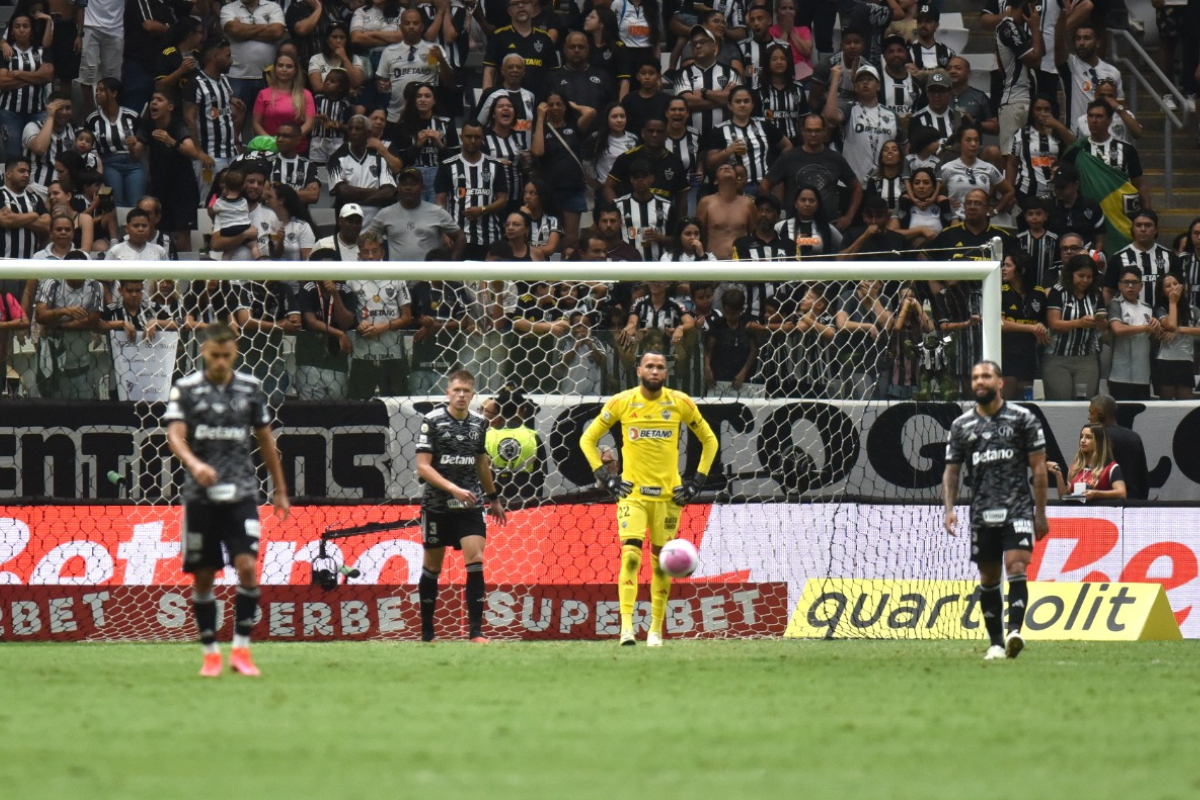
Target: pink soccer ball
(678, 558)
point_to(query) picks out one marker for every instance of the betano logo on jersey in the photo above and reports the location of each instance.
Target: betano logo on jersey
(456, 461)
(988, 456)
(636, 433)
(222, 432)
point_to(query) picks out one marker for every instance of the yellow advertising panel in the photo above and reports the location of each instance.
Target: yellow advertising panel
(848, 608)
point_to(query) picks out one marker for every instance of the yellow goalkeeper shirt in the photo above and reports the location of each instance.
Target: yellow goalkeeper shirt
(650, 430)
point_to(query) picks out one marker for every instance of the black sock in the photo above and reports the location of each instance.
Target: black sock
(245, 608)
(204, 609)
(1018, 599)
(427, 590)
(475, 596)
(991, 603)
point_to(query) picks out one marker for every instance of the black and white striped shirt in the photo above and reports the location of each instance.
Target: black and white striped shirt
(1044, 252)
(1077, 341)
(27, 99)
(41, 168)
(1036, 155)
(670, 315)
(754, 58)
(456, 53)
(476, 184)
(19, 242)
(507, 148)
(1118, 154)
(296, 172)
(688, 150)
(542, 227)
(810, 237)
(902, 96)
(336, 109)
(430, 155)
(637, 216)
(759, 139)
(214, 118)
(943, 123)
(111, 134)
(695, 79)
(783, 108)
(936, 57)
(890, 189)
(1154, 264)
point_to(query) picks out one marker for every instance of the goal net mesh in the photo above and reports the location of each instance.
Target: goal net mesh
(831, 401)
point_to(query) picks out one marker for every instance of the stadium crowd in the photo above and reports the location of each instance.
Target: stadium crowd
(609, 130)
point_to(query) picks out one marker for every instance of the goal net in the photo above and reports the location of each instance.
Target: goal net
(831, 388)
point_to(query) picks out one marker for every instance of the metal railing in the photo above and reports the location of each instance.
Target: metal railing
(1170, 119)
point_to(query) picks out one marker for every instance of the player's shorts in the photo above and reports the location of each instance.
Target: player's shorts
(989, 543)
(635, 516)
(449, 528)
(214, 534)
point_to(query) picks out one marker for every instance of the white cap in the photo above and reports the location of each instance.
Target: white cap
(868, 69)
(352, 210)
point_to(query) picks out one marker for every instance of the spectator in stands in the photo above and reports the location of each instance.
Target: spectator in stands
(44, 141)
(171, 153)
(1019, 51)
(731, 351)
(176, 62)
(147, 25)
(414, 226)
(874, 240)
(771, 240)
(1121, 156)
(657, 322)
(62, 235)
(533, 44)
(472, 188)
(1070, 366)
(887, 178)
(975, 106)
(344, 243)
(1040, 244)
(647, 101)
(1172, 371)
(815, 164)
(69, 313)
(1124, 124)
(263, 221)
(1033, 155)
(23, 214)
(900, 373)
(937, 113)
(114, 125)
(411, 60)
(797, 35)
(1127, 448)
(920, 213)
(266, 312)
(12, 319)
(294, 238)
(137, 246)
(866, 124)
(1082, 69)
(425, 139)
(808, 231)
(1023, 329)
(323, 348)
(360, 175)
(292, 169)
(334, 54)
(546, 231)
(706, 84)
(379, 363)
(926, 52)
(969, 171)
(254, 29)
(557, 137)
(285, 100)
(861, 317)
(153, 209)
(780, 97)
(439, 311)
(1152, 259)
(133, 314)
(524, 101)
(22, 99)
(591, 86)
(1094, 467)
(1074, 213)
(214, 112)
(1134, 329)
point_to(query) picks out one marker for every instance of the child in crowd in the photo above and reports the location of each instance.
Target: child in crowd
(333, 112)
(231, 213)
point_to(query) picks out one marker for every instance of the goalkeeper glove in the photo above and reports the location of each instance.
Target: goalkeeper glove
(691, 487)
(613, 484)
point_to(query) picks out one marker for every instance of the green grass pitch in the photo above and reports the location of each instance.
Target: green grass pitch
(715, 719)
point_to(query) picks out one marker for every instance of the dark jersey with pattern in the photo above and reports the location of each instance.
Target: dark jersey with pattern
(996, 451)
(454, 445)
(221, 423)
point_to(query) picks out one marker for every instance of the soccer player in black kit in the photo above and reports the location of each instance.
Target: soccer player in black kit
(213, 417)
(1000, 442)
(452, 460)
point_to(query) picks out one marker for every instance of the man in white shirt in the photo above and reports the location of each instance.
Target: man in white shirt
(411, 60)
(103, 47)
(137, 245)
(262, 219)
(254, 29)
(1082, 69)
(345, 241)
(360, 175)
(865, 124)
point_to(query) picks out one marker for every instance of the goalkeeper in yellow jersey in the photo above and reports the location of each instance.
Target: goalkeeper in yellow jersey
(649, 491)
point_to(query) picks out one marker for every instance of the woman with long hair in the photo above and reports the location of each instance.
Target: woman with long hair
(689, 243)
(285, 100)
(1071, 362)
(887, 178)
(638, 30)
(800, 37)
(177, 62)
(1189, 257)
(427, 139)
(969, 171)
(83, 223)
(1036, 149)
(334, 55)
(611, 139)
(517, 229)
(920, 214)
(782, 101)
(23, 99)
(545, 229)
(557, 136)
(114, 125)
(900, 377)
(172, 178)
(1094, 469)
(1022, 329)
(294, 239)
(810, 228)
(504, 141)
(1172, 371)
(604, 39)
(684, 141)
(744, 138)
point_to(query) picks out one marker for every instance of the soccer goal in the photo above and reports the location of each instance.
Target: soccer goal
(831, 386)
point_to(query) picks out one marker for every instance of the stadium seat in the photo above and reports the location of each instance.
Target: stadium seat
(952, 32)
(203, 222)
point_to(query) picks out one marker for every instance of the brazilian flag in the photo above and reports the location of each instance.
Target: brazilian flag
(1112, 190)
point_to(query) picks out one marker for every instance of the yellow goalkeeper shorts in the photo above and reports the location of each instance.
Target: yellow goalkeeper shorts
(635, 516)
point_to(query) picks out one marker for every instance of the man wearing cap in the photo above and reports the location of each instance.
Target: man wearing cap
(414, 226)
(647, 217)
(1019, 49)
(898, 88)
(670, 176)
(1074, 213)
(866, 125)
(765, 243)
(358, 174)
(926, 52)
(345, 241)
(1082, 69)
(705, 85)
(937, 113)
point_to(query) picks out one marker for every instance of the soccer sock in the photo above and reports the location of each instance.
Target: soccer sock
(991, 602)
(475, 595)
(427, 590)
(660, 590)
(627, 587)
(245, 607)
(204, 609)
(1018, 599)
